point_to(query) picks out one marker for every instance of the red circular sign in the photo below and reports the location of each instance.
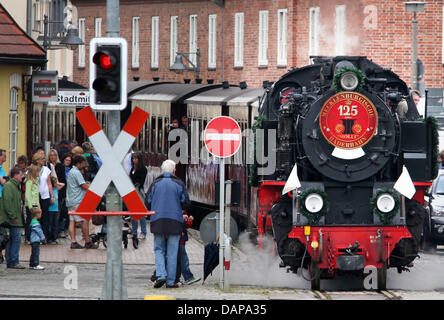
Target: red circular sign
(348, 120)
(222, 137)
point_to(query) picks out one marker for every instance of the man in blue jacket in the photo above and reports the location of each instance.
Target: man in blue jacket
(167, 196)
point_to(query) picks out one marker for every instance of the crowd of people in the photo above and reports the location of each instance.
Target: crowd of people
(37, 195)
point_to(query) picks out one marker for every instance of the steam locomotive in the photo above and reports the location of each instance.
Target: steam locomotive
(350, 127)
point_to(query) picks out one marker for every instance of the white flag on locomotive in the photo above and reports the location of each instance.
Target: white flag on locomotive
(293, 181)
(404, 185)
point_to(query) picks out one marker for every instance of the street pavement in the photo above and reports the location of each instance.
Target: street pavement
(254, 275)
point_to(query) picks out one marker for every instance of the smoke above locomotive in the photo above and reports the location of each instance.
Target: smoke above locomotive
(350, 127)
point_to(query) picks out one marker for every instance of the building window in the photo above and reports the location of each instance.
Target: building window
(82, 47)
(263, 38)
(135, 43)
(13, 104)
(155, 42)
(282, 38)
(340, 30)
(239, 39)
(193, 38)
(98, 28)
(313, 49)
(173, 38)
(212, 22)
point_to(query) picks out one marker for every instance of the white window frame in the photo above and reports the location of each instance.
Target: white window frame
(98, 27)
(313, 40)
(173, 38)
(340, 27)
(282, 38)
(81, 51)
(263, 38)
(13, 126)
(135, 42)
(193, 38)
(212, 40)
(155, 42)
(239, 39)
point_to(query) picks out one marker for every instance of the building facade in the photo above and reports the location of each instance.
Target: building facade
(18, 55)
(260, 40)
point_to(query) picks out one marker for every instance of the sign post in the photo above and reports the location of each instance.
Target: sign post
(223, 137)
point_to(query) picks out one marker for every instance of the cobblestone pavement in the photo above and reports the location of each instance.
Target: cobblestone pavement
(254, 275)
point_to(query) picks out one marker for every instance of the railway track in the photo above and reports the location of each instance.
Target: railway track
(358, 295)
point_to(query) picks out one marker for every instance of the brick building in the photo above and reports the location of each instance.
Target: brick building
(260, 40)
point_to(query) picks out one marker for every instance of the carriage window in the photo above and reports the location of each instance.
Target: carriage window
(50, 126)
(104, 127)
(71, 124)
(63, 125)
(36, 127)
(57, 127)
(153, 135)
(147, 135)
(165, 140)
(160, 130)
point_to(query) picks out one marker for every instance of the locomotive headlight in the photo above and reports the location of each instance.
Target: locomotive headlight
(314, 203)
(385, 203)
(349, 81)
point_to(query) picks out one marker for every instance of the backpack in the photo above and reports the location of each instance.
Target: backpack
(93, 168)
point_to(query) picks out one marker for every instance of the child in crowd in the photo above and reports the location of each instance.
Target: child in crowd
(36, 236)
(182, 257)
(53, 212)
(31, 197)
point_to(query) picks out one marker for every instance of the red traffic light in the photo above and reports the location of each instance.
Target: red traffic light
(105, 61)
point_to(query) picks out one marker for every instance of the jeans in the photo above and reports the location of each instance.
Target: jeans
(184, 263)
(28, 224)
(172, 246)
(136, 226)
(44, 221)
(53, 218)
(13, 246)
(34, 261)
(63, 216)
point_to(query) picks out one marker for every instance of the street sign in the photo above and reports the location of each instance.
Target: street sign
(71, 98)
(44, 86)
(112, 169)
(222, 137)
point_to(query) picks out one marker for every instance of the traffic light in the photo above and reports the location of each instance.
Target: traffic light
(108, 73)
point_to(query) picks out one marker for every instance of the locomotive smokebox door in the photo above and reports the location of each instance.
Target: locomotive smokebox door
(417, 149)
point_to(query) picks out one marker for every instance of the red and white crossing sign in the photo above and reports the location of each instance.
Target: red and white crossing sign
(222, 137)
(112, 169)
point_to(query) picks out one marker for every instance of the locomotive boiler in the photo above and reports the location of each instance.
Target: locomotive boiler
(351, 129)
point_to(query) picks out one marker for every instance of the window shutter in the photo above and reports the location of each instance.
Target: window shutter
(135, 43)
(340, 30)
(98, 28)
(193, 38)
(263, 38)
(314, 32)
(282, 37)
(239, 40)
(155, 42)
(173, 39)
(82, 47)
(212, 41)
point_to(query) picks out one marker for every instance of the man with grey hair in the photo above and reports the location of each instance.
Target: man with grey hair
(167, 197)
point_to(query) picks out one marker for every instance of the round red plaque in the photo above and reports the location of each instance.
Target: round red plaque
(348, 120)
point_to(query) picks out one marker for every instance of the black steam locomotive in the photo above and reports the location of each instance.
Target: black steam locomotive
(351, 128)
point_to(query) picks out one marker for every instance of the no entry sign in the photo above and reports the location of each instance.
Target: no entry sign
(222, 137)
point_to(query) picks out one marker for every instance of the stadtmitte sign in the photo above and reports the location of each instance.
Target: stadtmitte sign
(348, 120)
(72, 98)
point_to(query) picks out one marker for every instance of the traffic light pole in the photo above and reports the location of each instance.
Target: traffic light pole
(114, 287)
